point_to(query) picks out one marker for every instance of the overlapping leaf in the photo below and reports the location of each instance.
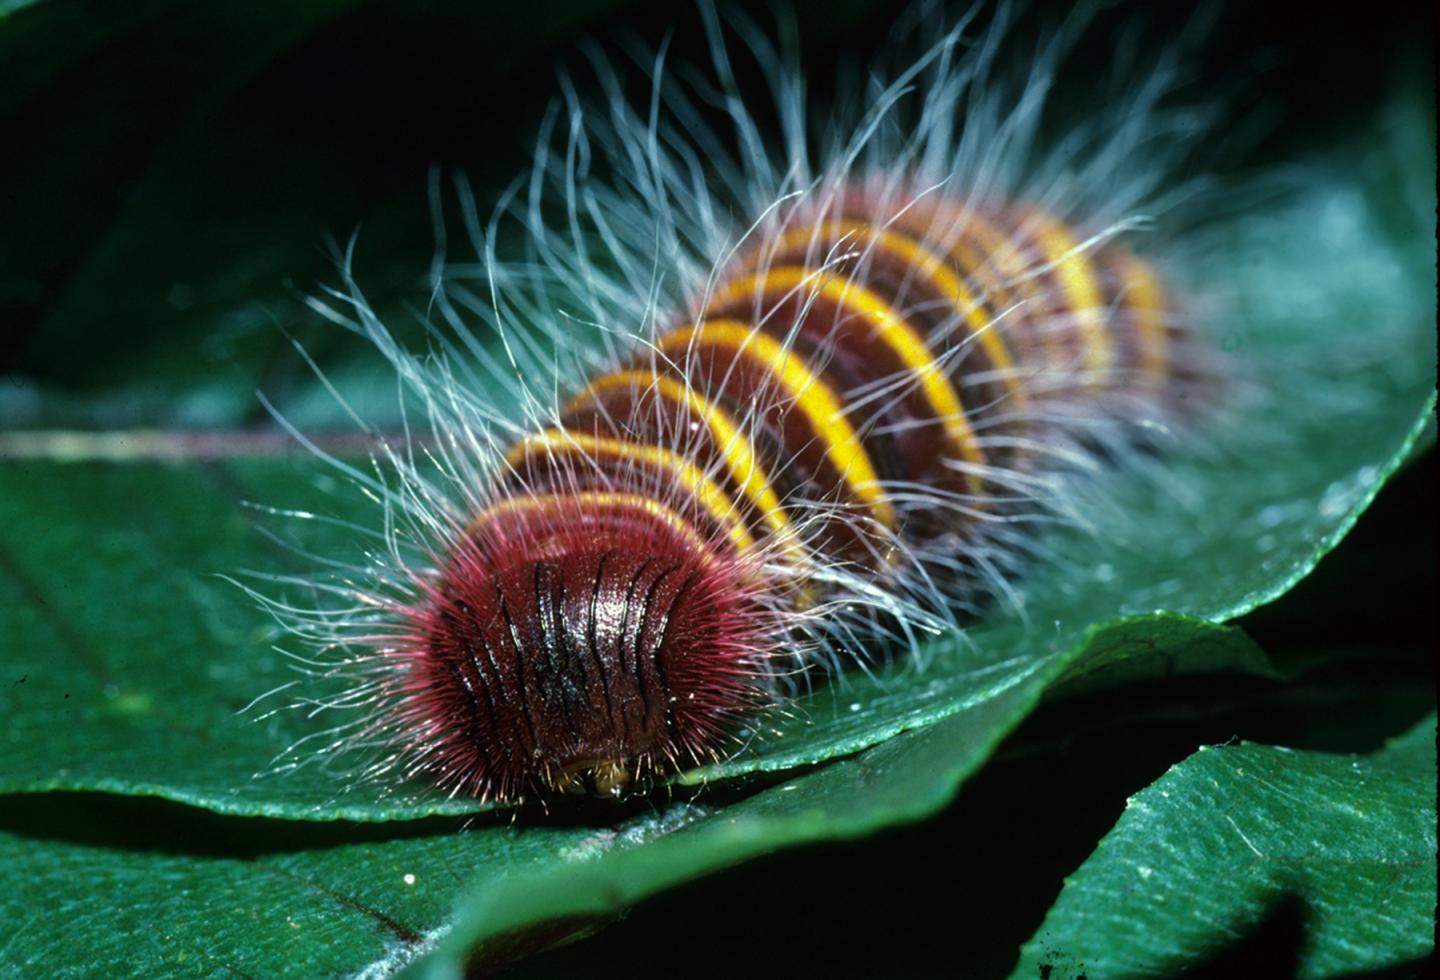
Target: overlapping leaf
(1227, 835)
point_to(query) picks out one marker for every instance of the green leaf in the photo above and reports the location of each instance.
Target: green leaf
(1223, 837)
(299, 900)
(312, 899)
(93, 698)
(110, 574)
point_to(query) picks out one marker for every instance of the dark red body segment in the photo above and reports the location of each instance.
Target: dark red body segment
(571, 652)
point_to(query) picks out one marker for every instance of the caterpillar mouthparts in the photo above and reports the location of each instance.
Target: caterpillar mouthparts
(820, 430)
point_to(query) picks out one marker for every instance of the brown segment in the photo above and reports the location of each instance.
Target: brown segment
(1000, 251)
(1149, 338)
(984, 255)
(562, 460)
(917, 282)
(750, 378)
(896, 430)
(643, 414)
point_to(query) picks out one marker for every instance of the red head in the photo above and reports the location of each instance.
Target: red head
(577, 643)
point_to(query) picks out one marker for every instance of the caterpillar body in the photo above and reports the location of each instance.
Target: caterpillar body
(619, 600)
(821, 425)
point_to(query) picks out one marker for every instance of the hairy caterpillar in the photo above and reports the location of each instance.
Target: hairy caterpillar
(839, 377)
(639, 565)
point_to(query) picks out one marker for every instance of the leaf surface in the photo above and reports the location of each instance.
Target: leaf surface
(1225, 836)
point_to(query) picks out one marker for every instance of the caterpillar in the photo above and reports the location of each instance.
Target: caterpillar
(810, 401)
(613, 606)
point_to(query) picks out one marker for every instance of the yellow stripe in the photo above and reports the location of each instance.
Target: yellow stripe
(735, 447)
(1081, 287)
(915, 256)
(715, 500)
(1143, 296)
(592, 498)
(810, 395)
(893, 331)
(998, 252)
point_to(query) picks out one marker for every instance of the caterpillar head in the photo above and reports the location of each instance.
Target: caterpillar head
(579, 644)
